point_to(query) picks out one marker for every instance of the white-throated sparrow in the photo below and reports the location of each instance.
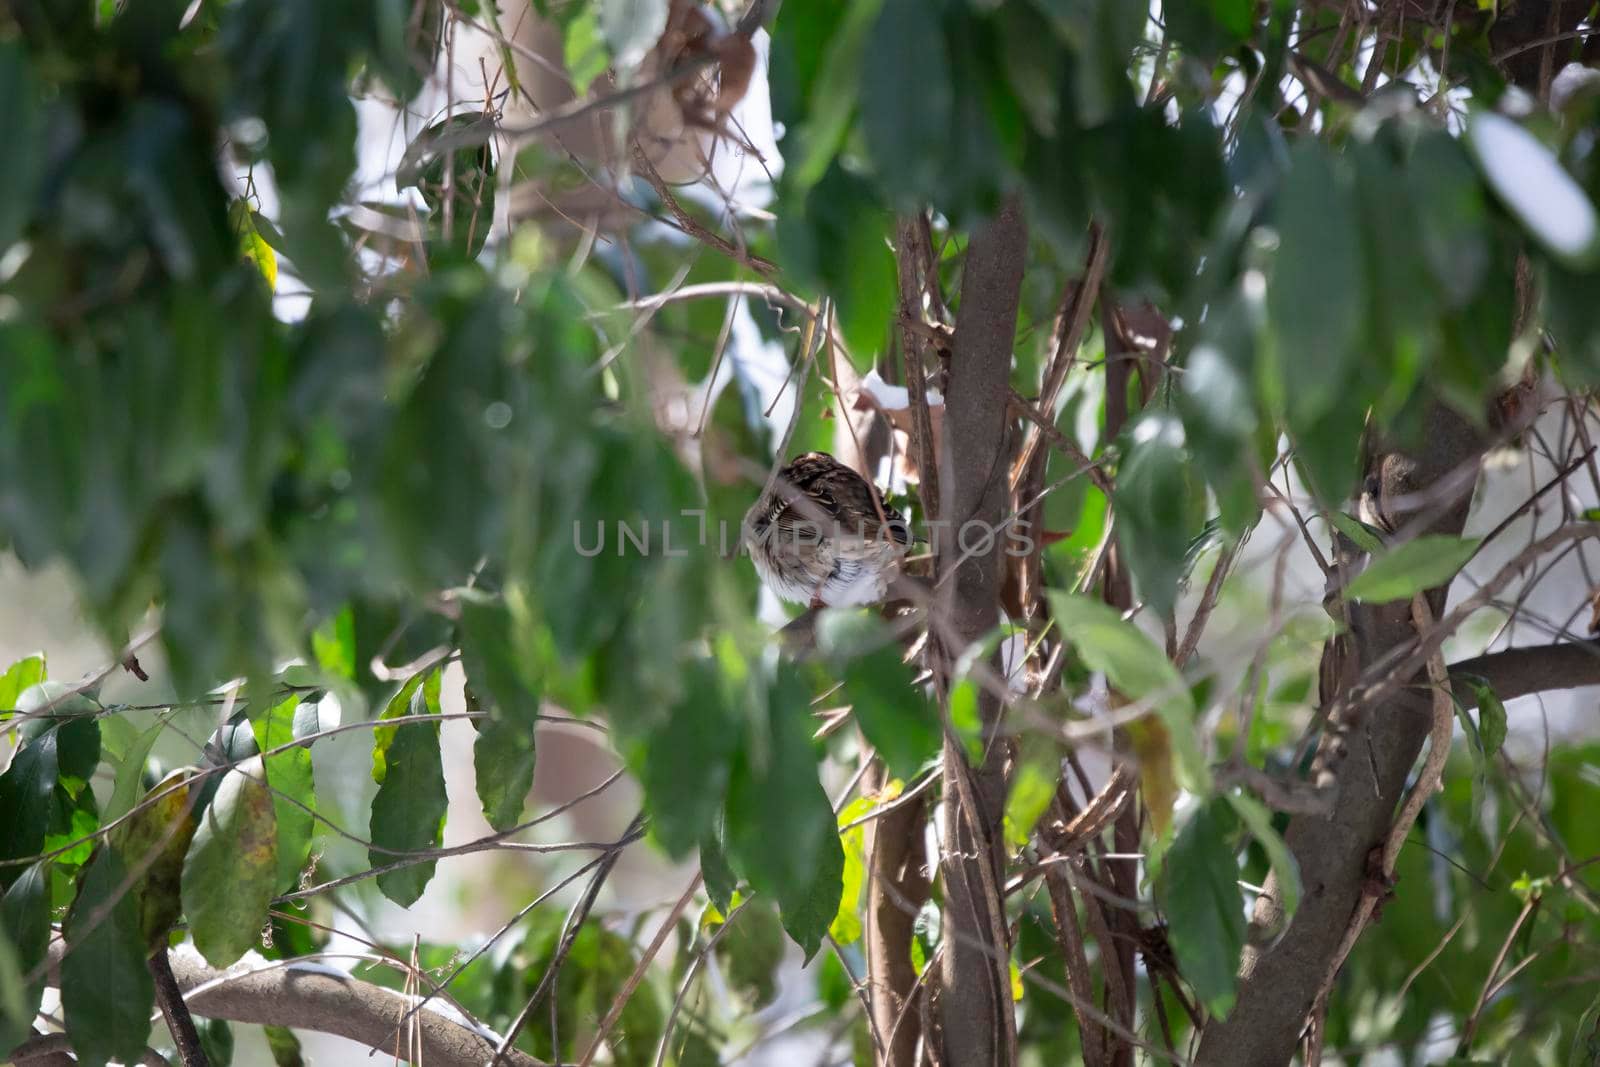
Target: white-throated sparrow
(823, 535)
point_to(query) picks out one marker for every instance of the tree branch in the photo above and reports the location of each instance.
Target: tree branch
(1519, 672)
(897, 885)
(977, 1021)
(55, 1050)
(179, 1022)
(908, 263)
(1374, 745)
(308, 997)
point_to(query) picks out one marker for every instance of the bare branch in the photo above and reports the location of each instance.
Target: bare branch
(979, 1025)
(310, 997)
(1519, 672)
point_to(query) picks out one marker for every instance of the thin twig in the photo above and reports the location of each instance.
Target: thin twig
(620, 1001)
(569, 936)
(179, 1022)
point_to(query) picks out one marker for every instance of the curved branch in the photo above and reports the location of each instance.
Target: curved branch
(55, 1050)
(1520, 672)
(320, 999)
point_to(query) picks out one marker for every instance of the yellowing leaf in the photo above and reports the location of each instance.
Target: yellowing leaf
(232, 866)
(167, 825)
(846, 925)
(1140, 671)
(252, 245)
(261, 254)
(1152, 746)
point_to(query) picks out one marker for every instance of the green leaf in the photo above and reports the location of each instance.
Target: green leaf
(232, 867)
(400, 705)
(966, 722)
(1032, 788)
(809, 909)
(721, 882)
(1366, 538)
(891, 711)
(502, 763)
(1452, 216)
(409, 811)
(1585, 1049)
(583, 49)
(1207, 27)
(72, 825)
(18, 1007)
(25, 791)
(846, 926)
(1316, 296)
(781, 831)
(1153, 504)
(1137, 668)
(19, 677)
(22, 131)
(1573, 319)
(751, 953)
(1491, 720)
(252, 245)
(499, 673)
(458, 178)
(105, 953)
(631, 28)
(1205, 906)
(25, 932)
(284, 1046)
(1428, 561)
(1530, 181)
(1258, 820)
(906, 122)
(684, 762)
(1103, 34)
(61, 748)
(77, 745)
(837, 237)
(499, 670)
(834, 92)
(1217, 401)
(294, 796)
(216, 1038)
(334, 644)
(130, 773)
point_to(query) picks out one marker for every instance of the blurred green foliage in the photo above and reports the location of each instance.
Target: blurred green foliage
(403, 474)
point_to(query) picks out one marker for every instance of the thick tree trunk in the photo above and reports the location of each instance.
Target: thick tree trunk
(978, 1027)
(1277, 984)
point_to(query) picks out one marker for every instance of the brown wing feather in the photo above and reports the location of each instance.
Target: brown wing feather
(841, 494)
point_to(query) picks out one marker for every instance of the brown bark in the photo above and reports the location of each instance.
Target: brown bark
(977, 1024)
(180, 1024)
(1279, 981)
(1516, 672)
(308, 999)
(897, 887)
